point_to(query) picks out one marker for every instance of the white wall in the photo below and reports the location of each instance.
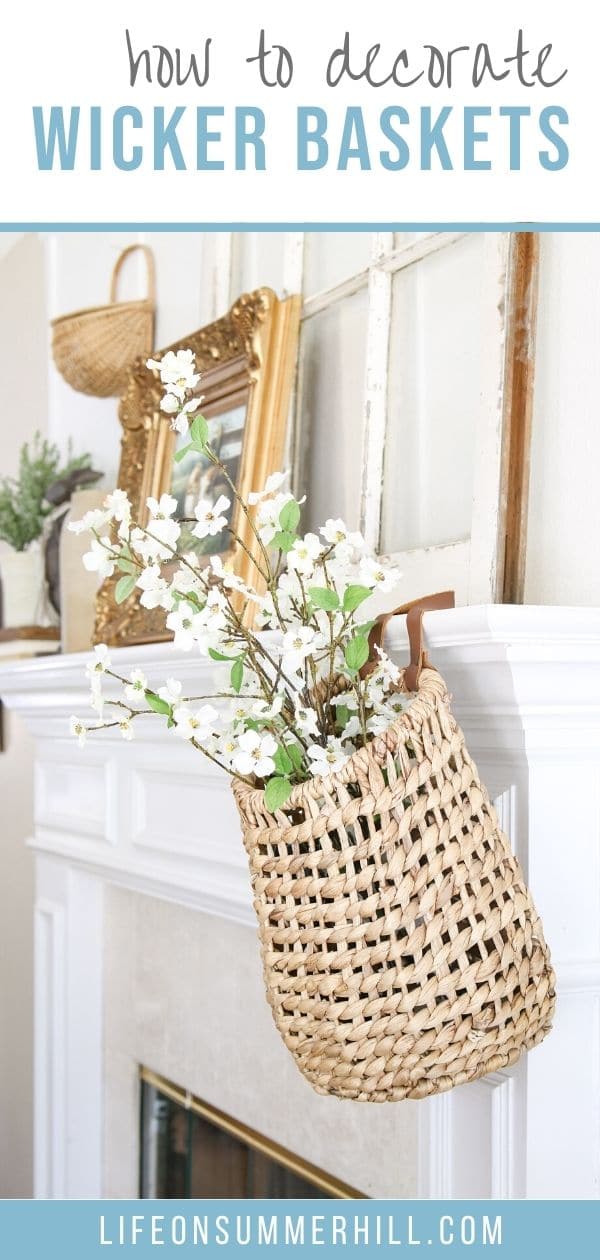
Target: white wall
(78, 273)
(23, 372)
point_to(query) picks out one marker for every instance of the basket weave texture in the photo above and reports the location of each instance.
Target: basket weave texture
(401, 949)
(94, 349)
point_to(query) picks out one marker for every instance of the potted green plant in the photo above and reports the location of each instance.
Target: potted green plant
(24, 509)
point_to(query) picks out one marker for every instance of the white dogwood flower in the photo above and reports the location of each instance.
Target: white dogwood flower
(169, 404)
(78, 729)
(226, 746)
(304, 554)
(229, 579)
(155, 592)
(328, 759)
(211, 517)
(297, 644)
(195, 724)
(255, 754)
(100, 559)
(396, 704)
(214, 614)
(177, 371)
(186, 625)
(96, 519)
(267, 516)
(352, 728)
(126, 728)
(159, 540)
(161, 509)
(306, 720)
(266, 709)
(335, 532)
(119, 507)
(181, 416)
(387, 670)
(171, 692)
(273, 483)
(378, 723)
(348, 699)
(265, 613)
(135, 691)
(96, 696)
(241, 709)
(101, 660)
(377, 575)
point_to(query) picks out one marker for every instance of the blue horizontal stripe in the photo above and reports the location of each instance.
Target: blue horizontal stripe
(86, 1230)
(500, 226)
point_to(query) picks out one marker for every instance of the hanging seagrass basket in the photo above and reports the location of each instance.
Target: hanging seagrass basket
(402, 952)
(94, 349)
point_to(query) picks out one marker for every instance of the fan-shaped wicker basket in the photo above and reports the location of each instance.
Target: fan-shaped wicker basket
(94, 349)
(401, 949)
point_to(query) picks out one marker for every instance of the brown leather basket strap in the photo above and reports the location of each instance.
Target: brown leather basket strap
(414, 623)
(150, 272)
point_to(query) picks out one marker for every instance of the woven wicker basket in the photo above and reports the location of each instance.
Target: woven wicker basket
(94, 349)
(401, 949)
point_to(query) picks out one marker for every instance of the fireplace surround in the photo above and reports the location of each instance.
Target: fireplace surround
(146, 950)
(190, 1150)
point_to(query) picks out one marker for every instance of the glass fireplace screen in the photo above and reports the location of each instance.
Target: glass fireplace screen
(189, 1150)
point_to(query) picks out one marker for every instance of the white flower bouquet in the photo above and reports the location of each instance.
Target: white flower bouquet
(295, 642)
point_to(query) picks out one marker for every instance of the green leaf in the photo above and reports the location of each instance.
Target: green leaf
(199, 430)
(342, 714)
(283, 762)
(324, 598)
(354, 596)
(276, 793)
(179, 455)
(284, 541)
(159, 706)
(124, 587)
(126, 562)
(289, 516)
(126, 566)
(219, 656)
(356, 653)
(237, 674)
(294, 752)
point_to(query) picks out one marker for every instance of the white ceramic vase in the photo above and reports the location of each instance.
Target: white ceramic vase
(23, 592)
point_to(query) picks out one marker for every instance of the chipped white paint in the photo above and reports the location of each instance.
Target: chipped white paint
(376, 387)
(469, 566)
(488, 449)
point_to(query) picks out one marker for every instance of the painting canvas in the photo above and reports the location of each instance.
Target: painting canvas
(195, 478)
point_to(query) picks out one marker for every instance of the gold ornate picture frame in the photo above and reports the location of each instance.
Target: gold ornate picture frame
(247, 360)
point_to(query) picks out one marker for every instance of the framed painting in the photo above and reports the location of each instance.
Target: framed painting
(247, 361)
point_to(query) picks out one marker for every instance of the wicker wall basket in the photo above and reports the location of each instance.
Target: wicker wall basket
(94, 349)
(401, 949)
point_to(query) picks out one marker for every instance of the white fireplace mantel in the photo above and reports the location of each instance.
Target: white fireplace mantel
(150, 816)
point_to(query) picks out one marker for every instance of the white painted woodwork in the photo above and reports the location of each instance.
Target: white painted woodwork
(351, 407)
(384, 369)
(148, 816)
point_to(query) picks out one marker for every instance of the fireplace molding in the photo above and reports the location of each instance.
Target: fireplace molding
(149, 816)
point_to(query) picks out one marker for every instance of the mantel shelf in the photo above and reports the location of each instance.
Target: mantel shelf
(500, 661)
(153, 816)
